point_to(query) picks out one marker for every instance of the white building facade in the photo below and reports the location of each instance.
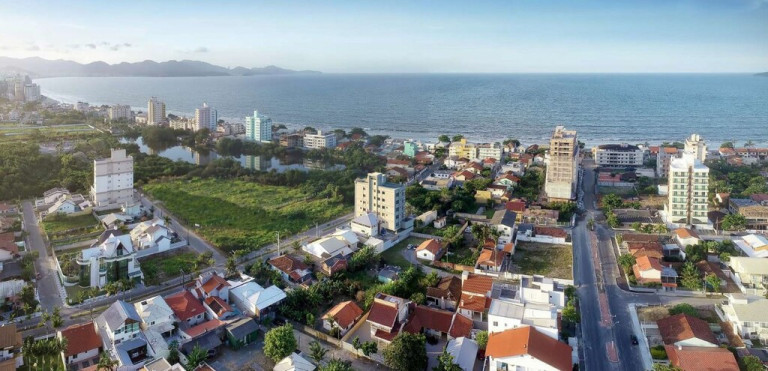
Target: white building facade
(155, 111)
(258, 128)
(113, 179)
(688, 191)
(618, 155)
(120, 112)
(320, 140)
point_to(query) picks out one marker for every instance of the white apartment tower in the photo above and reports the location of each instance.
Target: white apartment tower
(31, 92)
(206, 117)
(696, 145)
(155, 111)
(113, 179)
(688, 191)
(563, 167)
(258, 127)
(320, 140)
(373, 194)
(120, 111)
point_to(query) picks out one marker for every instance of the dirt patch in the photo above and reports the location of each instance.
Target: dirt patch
(554, 261)
(652, 314)
(654, 202)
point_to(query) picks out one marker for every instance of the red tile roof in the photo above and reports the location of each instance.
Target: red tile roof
(670, 150)
(490, 257)
(384, 314)
(650, 249)
(683, 327)
(475, 303)
(528, 340)
(204, 327)
(184, 305)
(7, 243)
(439, 320)
(288, 264)
(462, 326)
(645, 263)
(702, 358)
(477, 284)
(466, 174)
(686, 233)
(430, 245)
(81, 338)
(344, 313)
(214, 282)
(516, 206)
(218, 305)
(448, 287)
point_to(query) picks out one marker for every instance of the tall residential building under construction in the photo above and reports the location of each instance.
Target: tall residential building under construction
(563, 167)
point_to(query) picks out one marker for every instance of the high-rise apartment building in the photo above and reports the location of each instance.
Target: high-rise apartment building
(563, 167)
(490, 150)
(206, 117)
(697, 146)
(31, 92)
(320, 140)
(374, 194)
(688, 181)
(258, 127)
(463, 149)
(155, 111)
(120, 112)
(113, 179)
(618, 155)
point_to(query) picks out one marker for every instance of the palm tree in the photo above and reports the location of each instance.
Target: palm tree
(749, 144)
(317, 352)
(106, 362)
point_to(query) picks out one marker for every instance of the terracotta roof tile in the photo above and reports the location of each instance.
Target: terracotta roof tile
(81, 338)
(645, 263)
(430, 245)
(702, 358)
(218, 305)
(682, 327)
(214, 282)
(287, 264)
(382, 314)
(344, 313)
(448, 287)
(477, 284)
(475, 303)
(184, 305)
(686, 233)
(490, 258)
(527, 340)
(516, 206)
(204, 327)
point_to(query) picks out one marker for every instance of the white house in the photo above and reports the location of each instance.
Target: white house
(505, 314)
(119, 323)
(156, 315)
(151, 234)
(685, 237)
(682, 330)
(525, 348)
(111, 259)
(753, 245)
(503, 221)
(84, 344)
(751, 274)
(255, 300)
(464, 352)
(211, 284)
(294, 362)
(747, 315)
(343, 241)
(430, 249)
(366, 224)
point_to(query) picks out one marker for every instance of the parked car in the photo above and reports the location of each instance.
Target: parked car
(634, 340)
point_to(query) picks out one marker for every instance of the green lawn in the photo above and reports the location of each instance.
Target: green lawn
(554, 261)
(48, 362)
(55, 224)
(235, 214)
(162, 267)
(393, 255)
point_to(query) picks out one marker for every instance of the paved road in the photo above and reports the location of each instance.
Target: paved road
(47, 288)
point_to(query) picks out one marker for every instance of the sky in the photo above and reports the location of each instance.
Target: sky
(511, 36)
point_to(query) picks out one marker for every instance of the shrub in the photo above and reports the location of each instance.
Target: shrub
(658, 352)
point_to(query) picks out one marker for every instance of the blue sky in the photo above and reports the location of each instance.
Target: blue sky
(401, 36)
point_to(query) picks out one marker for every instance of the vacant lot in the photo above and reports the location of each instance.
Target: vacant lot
(235, 214)
(394, 255)
(162, 267)
(554, 261)
(57, 224)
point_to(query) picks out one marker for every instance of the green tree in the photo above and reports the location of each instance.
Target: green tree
(684, 308)
(665, 367)
(443, 138)
(626, 261)
(173, 352)
(751, 363)
(734, 222)
(195, 357)
(317, 352)
(56, 320)
(612, 201)
(457, 138)
(726, 145)
(445, 363)
(713, 282)
(612, 220)
(106, 363)
(279, 342)
(369, 347)
(482, 339)
(570, 314)
(511, 141)
(231, 266)
(689, 276)
(336, 364)
(407, 352)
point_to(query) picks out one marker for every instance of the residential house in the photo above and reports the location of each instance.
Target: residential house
(668, 278)
(685, 330)
(517, 207)
(438, 323)
(242, 332)
(755, 212)
(464, 352)
(751, 274)
(212, 285)
(503, 221)
(110, 259)
(701, 358)
(217, 308)
(475, 295)
(255, 300)
(187, 308)
(389, 273)
(334, 264)
(151, 234)
(161, 364)
(294, 362)
(157, 316)
(398, 172)
(686, 236)
(525, 348)
(746, 313)
(490, 259)
(50, 197)
(446, 294)
(433, 183)
(342, 316)
(291, 268)
(84, 345)
(201, 331)
(387, 316)
(366, 224)
(10, 346)
(508, 180)
(440, 222)
(342, 242)
(119, 323)
(647, 270)
(7, 208)
(649, 249)
(8, 248)
(430, 249)
(753, 245)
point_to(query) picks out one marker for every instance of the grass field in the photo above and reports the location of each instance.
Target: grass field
(554, 261)
(393, 255)
(235, 214)
(162, 267)
(56, 224)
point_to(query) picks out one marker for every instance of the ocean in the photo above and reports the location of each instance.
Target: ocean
(603, 108)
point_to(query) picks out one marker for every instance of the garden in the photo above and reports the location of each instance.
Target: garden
(162, 267)
(394, 255)
(548, 260)
(62, 225)
(237, 214)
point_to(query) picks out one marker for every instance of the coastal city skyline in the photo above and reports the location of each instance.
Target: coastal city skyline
(487, 37)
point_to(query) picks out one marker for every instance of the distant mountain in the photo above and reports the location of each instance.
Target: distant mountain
(764, 74)
(39, 67)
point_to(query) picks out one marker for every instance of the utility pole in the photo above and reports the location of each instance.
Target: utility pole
(278, 243)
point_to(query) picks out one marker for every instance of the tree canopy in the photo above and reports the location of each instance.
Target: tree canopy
(279, 342)
(407, 352)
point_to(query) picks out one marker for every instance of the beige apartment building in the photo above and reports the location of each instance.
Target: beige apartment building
(697, 146)
(113, 179)
(563, 167)
(374, 194)
(688, 190)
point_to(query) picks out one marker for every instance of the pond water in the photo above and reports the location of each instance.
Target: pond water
(258, 163)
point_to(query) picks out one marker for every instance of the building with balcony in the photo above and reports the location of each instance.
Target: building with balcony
(258, 128)
(751, 274)
(374, 194)
(696, 146)
(155, 111)
(618, 155)
(113, 179)
(320, 140)
(111, 259)
(688, 190)
(563, 168)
